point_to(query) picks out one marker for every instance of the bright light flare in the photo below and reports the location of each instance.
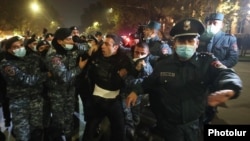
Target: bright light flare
(34, 7)
(96, 24)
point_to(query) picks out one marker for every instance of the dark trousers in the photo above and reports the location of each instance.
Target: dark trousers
(180, 132)
(6, 111)
(101, 108)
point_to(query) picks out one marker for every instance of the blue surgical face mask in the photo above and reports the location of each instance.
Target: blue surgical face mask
(20, 52)
(185, 51)
(68, 46)
(212, 29)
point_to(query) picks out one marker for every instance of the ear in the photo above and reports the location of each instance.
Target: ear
(60, 42)
(197, 44)
(10, 50)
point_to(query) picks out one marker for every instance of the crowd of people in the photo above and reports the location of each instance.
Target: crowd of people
(185, 81)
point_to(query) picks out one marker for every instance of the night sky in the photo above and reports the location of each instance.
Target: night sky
(71, 10)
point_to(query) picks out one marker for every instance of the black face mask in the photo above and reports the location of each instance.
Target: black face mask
(77, 39)
(44, 52)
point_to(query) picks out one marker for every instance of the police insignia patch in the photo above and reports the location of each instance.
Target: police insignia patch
(218, 64)
(56, 61)
(187, 25)
(235, 47)
(9, 70)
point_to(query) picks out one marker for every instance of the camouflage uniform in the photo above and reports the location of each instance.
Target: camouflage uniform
(157, 49)
(132, 114)
(64, 68)
(24, 86)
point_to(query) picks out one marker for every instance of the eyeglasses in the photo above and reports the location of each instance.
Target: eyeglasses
(139, 53)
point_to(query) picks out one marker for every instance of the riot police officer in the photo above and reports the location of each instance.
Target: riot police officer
(64, 66)
(24, 87)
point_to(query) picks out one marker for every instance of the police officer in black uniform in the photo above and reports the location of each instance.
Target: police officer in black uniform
(179, 83)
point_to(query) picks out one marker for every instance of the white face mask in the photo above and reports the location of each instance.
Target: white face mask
(213, 29)
(34, 48)
(20, 52)
(68, 46)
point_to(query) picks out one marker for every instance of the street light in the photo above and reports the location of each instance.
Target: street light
(34, 7)
(95, 24)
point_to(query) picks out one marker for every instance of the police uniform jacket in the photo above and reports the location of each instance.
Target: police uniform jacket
(22, 76)
(224, 47)
(156, 46)
(64, 67)
(132, 81)
(179, 87)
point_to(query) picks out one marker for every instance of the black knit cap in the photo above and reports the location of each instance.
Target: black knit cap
(98, 33)
(31, 40)
(187, 27)
(73, 28)
(48, 35)
(11, 40)
(41, 43)
(62, 33)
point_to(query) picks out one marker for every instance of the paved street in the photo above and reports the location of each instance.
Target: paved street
(235, 111)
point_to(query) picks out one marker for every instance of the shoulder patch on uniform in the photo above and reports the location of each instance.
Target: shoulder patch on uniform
(56, 61)
(10, 70)
(235, 47)
(218, 64)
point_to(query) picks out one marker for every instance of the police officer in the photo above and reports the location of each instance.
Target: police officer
(222, 45)
(24, 86)
(143, 69)
(64, 67)
(156, 47)
(179, 83)
(4, 100)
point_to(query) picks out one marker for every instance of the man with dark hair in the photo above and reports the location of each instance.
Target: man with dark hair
(109, 66)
